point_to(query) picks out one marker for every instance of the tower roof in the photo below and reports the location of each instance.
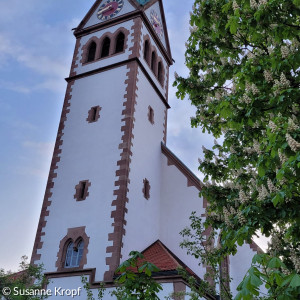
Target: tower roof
(143, 2)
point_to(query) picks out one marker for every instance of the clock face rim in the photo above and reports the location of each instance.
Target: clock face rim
(159, 30)
(102, 17)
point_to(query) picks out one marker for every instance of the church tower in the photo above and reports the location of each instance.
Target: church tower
(108, 145)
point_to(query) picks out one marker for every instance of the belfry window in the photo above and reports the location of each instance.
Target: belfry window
(159, 72)
(146, 50)
(105, 47)
(153, 61)
(120, 42)
(74, 255)
(92, 52)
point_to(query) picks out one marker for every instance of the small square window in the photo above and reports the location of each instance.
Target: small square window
(150, 114)
(82, 190)
(94, 114)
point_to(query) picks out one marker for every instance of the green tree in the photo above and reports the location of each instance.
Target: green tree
(244, 63)
(134, 281)
(30, 278)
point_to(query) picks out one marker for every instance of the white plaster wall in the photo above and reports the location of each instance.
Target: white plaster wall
(142, 227)
(145, 31)
(239, 265)
(127, 8)
(178, 201)
(89, 152)
(108, 60)
(156, 8)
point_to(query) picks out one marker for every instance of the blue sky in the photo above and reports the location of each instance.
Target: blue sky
(36, 48)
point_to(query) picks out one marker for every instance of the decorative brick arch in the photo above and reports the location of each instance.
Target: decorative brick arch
(74, 235)
(99, 42)
(85, 50)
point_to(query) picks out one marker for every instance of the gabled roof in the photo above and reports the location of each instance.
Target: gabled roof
(173, 159)
(159, 255)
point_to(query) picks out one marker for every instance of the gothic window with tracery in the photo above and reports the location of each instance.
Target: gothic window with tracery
(74, 255)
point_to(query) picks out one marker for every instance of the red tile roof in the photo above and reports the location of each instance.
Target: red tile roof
(158, 255)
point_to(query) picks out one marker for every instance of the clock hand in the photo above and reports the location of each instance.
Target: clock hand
(105, 9)
(155, 19)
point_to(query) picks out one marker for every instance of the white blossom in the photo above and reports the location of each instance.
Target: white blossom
(296, 260)
(241, 218)
(243, 197)
(204, 149)
(263, 2)
(250, 54)
(235, 5)
(268, 75)
(294, 145)
(262, 193)
(193, 29)
(254, 89)
(256, 147)
(227, 217)
(271, 186)
(272, 126)
(283, 81)
(285, 51)
(282, 157)
(276, 242)
(247, 99)
(253, 4)
(270, 49)
(292, 126)
(232, 150)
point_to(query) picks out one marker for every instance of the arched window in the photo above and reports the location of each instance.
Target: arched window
(105, 47)
(74, 255)
(153, 61)
(92, 52)
(120, 42)
(146, 50)
(159, 72)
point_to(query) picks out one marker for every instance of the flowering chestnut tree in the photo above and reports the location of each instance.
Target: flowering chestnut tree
(244, 62)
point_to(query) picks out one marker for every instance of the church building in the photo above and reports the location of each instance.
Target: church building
(114, 185)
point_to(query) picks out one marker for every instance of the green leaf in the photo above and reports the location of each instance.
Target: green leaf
(296, 2)
(274, 263)
(295, 282)
(261, 171)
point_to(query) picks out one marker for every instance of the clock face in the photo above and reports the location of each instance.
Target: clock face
(156, 23)
(109, 9)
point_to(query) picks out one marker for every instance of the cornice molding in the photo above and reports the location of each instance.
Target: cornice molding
(119, 64)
